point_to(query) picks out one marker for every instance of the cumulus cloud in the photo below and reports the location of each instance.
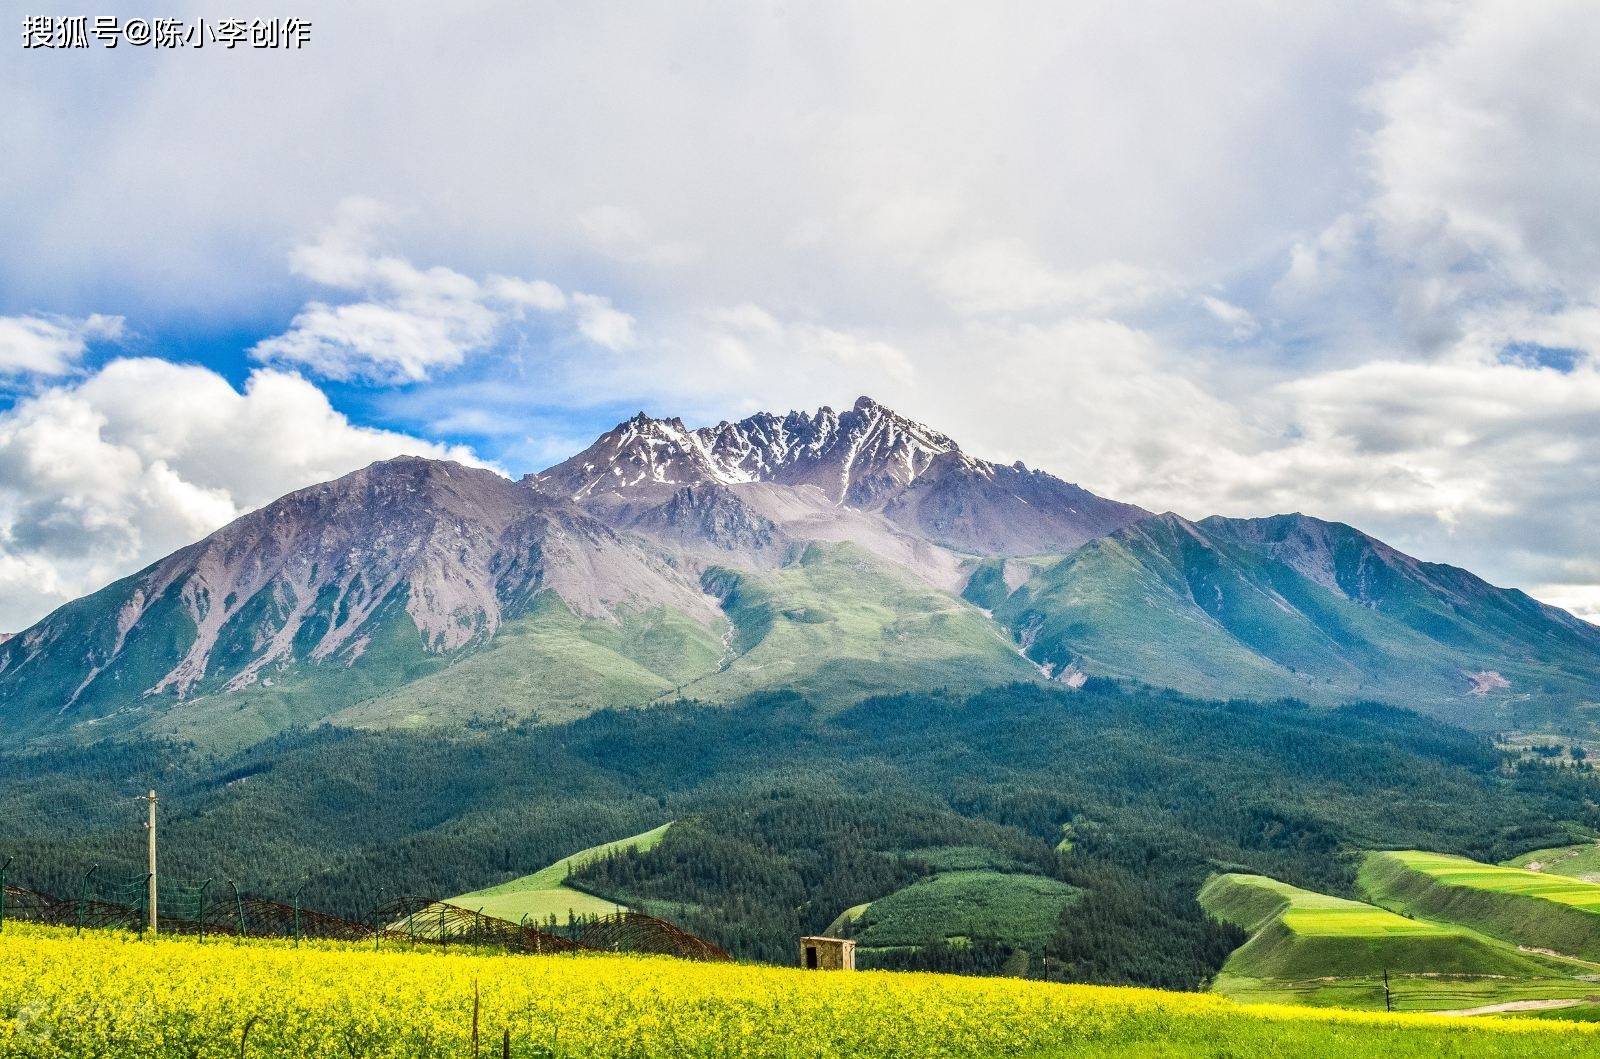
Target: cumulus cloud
(413, 323)
(602, 323)
(100, 477)
(1481, 160)
(42, 345)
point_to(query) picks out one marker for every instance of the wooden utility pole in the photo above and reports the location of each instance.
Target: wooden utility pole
(1387, 1004)
(150, 828)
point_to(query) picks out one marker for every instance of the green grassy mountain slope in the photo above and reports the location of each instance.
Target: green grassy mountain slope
(1523, 907)
(838, 624)
(552, 665)
(546, 892)
(1581, 861)
(420, 594)
(1299, 607)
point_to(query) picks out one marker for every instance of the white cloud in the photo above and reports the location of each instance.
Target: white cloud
(50, 346)
(1582, 600)
(413, 322)
(1006, 276)
(532, 294)
(602, 323)
(1492, 465)
(621, 233)
(1239, 320)
(101, 477)
(1482, 159)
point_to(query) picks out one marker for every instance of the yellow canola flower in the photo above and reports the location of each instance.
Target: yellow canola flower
(110, 995)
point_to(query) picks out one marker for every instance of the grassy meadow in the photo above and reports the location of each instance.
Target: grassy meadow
(1580, 861)
(115, 995)
(546, 893)
(1316, 949)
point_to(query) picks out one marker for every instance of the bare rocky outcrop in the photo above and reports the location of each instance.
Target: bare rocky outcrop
(869, 458)
(447, 551)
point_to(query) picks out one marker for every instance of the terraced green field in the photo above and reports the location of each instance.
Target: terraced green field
(545, 893)
(1316, 949)
(1534, 909)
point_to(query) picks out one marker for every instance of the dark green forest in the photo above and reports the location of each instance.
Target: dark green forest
(787, 815)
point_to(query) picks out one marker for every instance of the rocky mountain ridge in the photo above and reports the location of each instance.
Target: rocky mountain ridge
(837, 554)
(869, 458)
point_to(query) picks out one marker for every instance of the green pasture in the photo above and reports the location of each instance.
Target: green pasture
(546, 892)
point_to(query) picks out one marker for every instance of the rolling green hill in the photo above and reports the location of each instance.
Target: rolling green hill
(547, 893)
(1581, 861)
(1312, 948)
(1523, 907)
(1015, 909)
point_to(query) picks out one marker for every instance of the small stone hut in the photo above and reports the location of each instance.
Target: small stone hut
(827, 954)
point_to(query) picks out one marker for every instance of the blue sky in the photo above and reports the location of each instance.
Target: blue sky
(1229, 258)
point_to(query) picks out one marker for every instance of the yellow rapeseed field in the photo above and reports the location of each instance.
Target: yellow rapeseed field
(113, 995)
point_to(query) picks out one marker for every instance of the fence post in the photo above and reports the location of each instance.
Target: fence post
(202, 919)
(444, 936)
(83, 895)
(3, 868)
(238, 904)
(297, 894)
(144, 906)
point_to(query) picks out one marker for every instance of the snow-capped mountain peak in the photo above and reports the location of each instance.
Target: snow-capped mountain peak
(853, 457)
(868, 457)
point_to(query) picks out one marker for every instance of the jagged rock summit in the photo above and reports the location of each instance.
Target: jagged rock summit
(870, 458)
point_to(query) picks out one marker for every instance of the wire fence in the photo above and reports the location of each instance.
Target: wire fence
(1420, 992)
(214, 909)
